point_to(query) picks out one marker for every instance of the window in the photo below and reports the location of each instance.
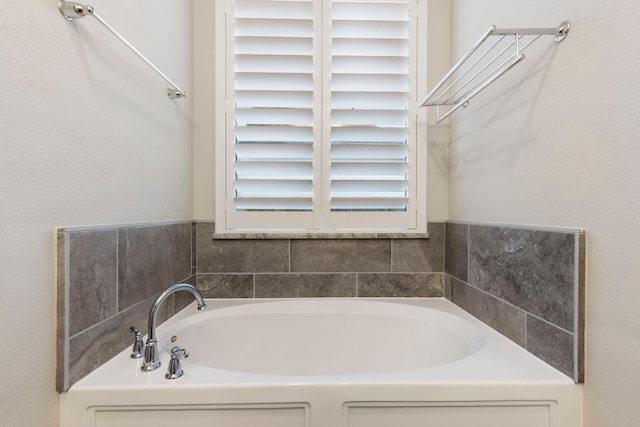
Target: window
(320, 117)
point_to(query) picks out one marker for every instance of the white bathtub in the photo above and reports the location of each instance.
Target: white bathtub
(329, 363)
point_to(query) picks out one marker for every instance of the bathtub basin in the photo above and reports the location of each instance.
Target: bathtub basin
(328, 363)
(319, 337)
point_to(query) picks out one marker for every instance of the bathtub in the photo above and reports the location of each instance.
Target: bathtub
(328, 363)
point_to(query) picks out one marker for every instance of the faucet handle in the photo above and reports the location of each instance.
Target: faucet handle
(136, 351)
(178, 353)
(175, 370)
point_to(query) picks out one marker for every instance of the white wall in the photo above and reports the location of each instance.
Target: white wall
(556, 142)
(87, 136)
(439, 57)
(204, 109)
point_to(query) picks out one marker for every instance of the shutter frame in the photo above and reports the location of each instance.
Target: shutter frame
(399, 142)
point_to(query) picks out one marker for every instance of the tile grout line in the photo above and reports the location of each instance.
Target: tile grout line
(577, 247)
(117, 270)
(468, 251)
(444, 248)
(526, 333)
(66, 377)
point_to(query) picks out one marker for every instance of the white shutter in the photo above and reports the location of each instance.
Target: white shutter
(371, 135)
(273, 105)
(319, 129)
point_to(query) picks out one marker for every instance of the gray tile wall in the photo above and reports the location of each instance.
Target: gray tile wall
(108, 277)
(291, 268)
(107, 280)
(527, 283)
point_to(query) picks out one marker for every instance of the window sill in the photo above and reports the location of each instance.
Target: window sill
(311, 235)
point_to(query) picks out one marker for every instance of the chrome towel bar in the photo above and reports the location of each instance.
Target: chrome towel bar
(475, 77)
(72, 10)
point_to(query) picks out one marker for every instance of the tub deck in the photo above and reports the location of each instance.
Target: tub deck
(499, 385)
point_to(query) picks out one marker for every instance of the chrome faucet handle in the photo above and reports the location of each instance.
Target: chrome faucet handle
(138, 345)
(175, 370)
(151, 354)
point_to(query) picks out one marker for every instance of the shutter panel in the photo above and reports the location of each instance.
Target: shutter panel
(273, 95)
(321, 131)
(369, 135)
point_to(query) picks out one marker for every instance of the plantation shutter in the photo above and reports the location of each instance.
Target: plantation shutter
(369, 105)
(321, 135)
(273, 106)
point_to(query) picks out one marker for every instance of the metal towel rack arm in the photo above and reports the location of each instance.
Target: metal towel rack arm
(72, 10)
(459, 91)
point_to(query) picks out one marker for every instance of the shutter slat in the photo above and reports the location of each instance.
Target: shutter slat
(260, 9)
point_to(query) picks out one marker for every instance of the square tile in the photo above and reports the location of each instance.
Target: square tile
(532, 269)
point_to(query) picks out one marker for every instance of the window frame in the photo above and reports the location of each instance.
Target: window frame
(356, 223)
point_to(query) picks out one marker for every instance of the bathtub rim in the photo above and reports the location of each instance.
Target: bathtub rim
(499, 361)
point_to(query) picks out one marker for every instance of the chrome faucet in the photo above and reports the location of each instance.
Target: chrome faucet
(175, 370)
(151, 359)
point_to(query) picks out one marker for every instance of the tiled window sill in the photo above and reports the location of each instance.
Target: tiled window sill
(298, 236)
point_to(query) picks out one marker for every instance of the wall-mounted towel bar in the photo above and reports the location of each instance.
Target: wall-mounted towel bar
(480, 66)
(72, 10)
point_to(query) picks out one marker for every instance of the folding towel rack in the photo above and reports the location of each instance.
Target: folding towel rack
(72, 10)
(460, 91)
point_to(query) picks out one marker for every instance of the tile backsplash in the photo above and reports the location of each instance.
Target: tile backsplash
(520, 281)
(290, 268)
(527, 283)
(107, 279)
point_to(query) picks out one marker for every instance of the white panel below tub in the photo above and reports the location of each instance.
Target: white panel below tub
(201, 416)
(416, 414)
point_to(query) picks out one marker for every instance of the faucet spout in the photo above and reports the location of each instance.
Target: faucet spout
(151, 357)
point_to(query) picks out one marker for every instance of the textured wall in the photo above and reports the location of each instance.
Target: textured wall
(87, 137)
(555, 143)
